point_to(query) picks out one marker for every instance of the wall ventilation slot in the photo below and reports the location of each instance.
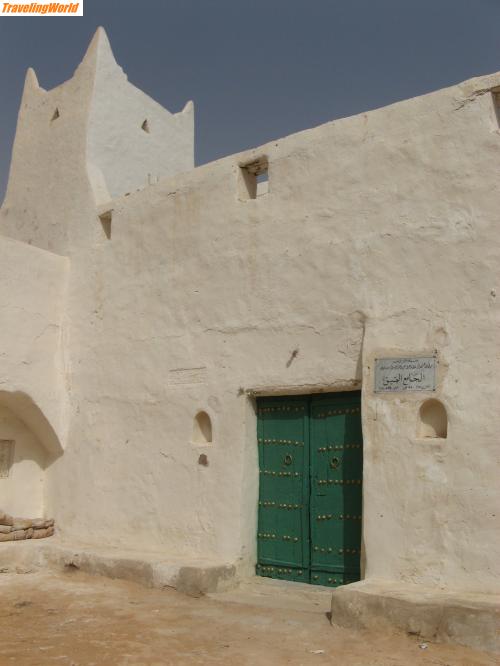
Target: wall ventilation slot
(253, 179)
(495, 95)
(105, 219)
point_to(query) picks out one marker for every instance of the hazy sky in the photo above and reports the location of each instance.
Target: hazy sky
(259, 69)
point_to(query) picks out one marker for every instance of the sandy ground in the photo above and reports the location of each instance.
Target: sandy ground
(76, 619)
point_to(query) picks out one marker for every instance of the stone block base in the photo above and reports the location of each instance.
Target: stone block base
(464, 618)
(192, 577)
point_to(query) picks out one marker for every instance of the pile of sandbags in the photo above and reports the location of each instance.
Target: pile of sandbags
(18, 529)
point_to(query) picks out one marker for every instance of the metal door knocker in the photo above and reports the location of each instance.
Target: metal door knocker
(334, 463)
(288, 460)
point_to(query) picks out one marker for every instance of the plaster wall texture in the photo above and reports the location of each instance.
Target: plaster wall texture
(32, 365)
(376, 238)
(33, 396)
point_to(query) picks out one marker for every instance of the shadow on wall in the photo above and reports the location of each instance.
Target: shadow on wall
(25, 409)
(28, 445)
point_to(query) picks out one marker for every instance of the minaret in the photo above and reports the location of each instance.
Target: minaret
(132, 140)
(88, 141)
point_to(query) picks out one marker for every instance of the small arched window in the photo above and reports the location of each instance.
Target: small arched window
(433, 420)
(202, 429)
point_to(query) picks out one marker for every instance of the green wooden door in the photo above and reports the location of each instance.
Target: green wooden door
(283, 534)
(310, 498)
(335, 500)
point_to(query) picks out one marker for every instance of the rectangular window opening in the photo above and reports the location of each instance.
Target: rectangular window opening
(262, 183)
(254, 179)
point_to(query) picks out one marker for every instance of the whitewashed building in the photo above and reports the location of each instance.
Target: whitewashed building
(186, 353)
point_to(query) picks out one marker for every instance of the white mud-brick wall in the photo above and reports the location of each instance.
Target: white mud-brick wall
(375, 238)
(32, 387)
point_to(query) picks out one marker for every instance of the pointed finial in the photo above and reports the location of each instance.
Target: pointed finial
(188, 107)
(99, 53)
(31, 84)
(31, 79)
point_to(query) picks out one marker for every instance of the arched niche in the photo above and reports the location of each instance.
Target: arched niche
(24, 408)
(202, 428)
(29, 445)
(433, 420)
(23, 460)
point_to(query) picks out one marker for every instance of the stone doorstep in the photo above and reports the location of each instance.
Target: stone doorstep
(192, 577)
(281, 594)
(463, 618)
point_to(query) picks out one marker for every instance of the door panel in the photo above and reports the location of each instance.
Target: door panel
(283, 533)
(310, 495)
(336, 491)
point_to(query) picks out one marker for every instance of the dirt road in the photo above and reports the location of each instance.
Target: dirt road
(79, 620)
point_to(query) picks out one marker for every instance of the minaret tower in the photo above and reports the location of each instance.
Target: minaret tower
(88, 141)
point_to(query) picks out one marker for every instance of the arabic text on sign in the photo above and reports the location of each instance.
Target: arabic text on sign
(405, 374)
